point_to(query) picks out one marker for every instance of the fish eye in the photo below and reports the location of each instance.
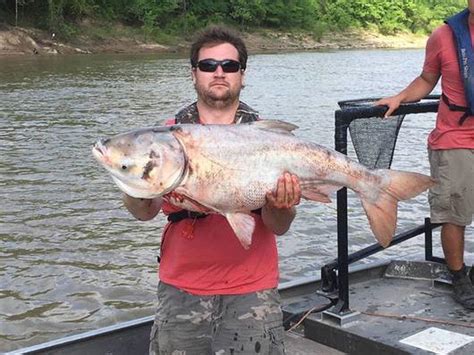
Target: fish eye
(125, 164)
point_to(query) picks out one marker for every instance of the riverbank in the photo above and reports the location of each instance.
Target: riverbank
(25, 41)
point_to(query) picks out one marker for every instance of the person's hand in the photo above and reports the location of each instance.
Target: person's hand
(287, 194)
(393, 102)
(142, 209)
(175, 196)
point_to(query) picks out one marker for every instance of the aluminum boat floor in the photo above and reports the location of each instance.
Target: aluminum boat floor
(398, 307)
(409, 309)
(296, 344)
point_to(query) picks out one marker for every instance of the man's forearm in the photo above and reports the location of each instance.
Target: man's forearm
(278, 220)
(419, 88)
(141, 208)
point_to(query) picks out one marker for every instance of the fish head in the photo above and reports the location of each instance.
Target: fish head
(145, 163)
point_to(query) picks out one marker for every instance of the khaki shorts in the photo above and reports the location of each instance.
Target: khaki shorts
(223, 324)
(452, 199)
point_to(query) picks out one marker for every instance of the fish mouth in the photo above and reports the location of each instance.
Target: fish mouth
(99, 151)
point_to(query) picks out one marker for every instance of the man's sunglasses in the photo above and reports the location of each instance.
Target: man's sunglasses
(227, 65)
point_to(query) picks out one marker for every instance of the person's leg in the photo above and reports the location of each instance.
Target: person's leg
(182, 323)
(452, 240)
(451, 203)
(250, 323)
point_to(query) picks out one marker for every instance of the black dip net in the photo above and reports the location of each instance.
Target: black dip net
(373, 137)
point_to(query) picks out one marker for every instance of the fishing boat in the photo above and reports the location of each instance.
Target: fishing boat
(385, 307)
(397, 307)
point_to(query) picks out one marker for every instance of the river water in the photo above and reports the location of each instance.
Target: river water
(72, 259)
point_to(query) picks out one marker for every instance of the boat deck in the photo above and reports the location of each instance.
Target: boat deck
(408, 309)
(297, 344)
(398, 307)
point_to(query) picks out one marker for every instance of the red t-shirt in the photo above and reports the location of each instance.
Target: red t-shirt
(441, 58)
(210, 260)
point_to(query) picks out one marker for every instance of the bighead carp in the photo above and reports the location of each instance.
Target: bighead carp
(228, 169)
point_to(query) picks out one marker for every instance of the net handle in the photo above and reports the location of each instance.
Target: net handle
(349, 114)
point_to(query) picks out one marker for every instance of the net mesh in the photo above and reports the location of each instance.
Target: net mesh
(373, 138)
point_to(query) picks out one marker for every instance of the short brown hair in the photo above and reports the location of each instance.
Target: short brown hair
(215, 35)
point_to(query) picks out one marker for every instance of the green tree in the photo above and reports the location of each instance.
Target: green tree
(247, 12)
(186, 16)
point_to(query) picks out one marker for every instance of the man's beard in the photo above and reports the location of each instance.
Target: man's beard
(217, 101)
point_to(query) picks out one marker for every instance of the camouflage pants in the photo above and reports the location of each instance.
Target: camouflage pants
(225, 324)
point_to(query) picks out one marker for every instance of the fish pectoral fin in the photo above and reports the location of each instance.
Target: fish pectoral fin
(315, 196)
(243, 226)
(317, 191)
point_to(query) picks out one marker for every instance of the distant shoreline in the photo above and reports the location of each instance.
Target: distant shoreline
(23, 41)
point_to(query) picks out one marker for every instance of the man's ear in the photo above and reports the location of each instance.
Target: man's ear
(242, 79)
(193, 76)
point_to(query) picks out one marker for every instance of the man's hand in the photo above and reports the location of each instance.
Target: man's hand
(279, 211)
(287, 193)
(174, 197)
(417, 90)
(393, 102)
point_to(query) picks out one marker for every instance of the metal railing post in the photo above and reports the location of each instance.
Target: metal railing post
(341, 313)
(428, 240)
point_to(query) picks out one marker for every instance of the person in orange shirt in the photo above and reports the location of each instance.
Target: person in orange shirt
(214, 296)
(450, 56)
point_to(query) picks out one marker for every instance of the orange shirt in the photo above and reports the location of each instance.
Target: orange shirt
(211, 261)
(441, 58)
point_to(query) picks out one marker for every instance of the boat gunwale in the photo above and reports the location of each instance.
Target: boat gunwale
(287, 288)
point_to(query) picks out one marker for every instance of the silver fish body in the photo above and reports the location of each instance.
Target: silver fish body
(228, 169)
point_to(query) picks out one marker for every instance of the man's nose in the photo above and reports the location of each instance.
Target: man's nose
(219, 71)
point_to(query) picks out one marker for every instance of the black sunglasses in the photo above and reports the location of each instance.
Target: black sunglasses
(227, 65)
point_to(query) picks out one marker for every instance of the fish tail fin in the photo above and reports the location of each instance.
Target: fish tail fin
(382, 210)
(382, 216)
(404, 185)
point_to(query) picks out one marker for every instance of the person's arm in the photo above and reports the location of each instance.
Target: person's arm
(418, 89)
(141, 208)
(279, 211)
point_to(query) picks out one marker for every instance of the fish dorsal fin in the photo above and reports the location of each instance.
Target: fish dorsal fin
(243, 226)
(275, 126)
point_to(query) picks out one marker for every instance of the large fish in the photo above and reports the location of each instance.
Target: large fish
(228, 169)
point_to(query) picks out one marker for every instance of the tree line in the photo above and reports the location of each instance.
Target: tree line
(182, 17)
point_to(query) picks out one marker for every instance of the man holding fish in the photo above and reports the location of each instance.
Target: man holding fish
(213, 294)
(228, 183)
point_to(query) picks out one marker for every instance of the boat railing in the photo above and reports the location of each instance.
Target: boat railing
(351, 111)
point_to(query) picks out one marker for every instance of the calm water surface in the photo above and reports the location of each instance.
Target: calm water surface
(72, 259)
